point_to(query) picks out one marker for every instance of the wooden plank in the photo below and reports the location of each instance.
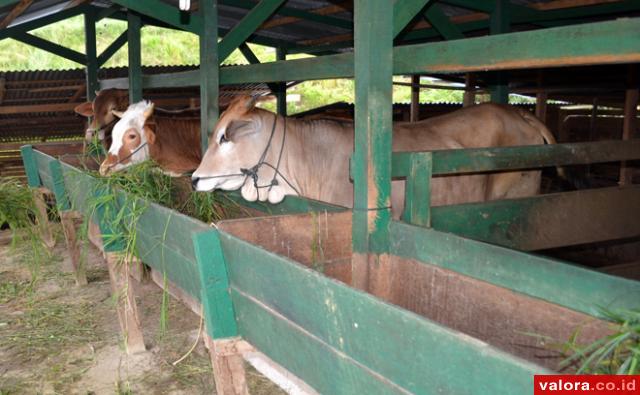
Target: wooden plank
(3, 89)
(415, 98)
(524, 157)
(30, 166)
(42, 217)
(557, 282)
(546, 221)
(417, 206)
(15, 12)
(282, 309)
(68, 222)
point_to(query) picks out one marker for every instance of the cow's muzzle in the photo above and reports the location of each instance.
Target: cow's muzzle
(194, 182)
(107, 165)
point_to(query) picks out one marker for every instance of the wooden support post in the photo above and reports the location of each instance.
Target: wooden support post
(43, 224)
(91, 53)
(630, 120)
(69, 221)
(219, 315)
(415, 98)
(122, 289)
(469, 98)
(373, 27)
(209, 66)
(134, 26)
(281, 93)
(499, 23)
(541, 106)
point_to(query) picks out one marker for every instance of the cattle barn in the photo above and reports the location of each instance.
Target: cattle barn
(341, 300)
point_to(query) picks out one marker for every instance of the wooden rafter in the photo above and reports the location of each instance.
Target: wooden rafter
(288, 20)
(78, 93)
(15, 12)
(560, 4)
(3, 89)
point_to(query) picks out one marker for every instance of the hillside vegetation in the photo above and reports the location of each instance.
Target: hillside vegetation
(168, 47)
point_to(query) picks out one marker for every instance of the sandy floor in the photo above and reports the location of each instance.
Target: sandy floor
(56, 338)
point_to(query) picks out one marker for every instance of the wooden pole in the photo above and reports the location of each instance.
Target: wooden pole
(43, 224)
(281, 93)
(91, 53)
(415, 98)
(68, 220)
(373, 64)
(500, 22)
(126, 307)
(134, 26)
(630, 121)
(469, 98)
(541, 107)
(209, 79)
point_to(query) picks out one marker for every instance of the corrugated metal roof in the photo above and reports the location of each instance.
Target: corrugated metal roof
(66, 88)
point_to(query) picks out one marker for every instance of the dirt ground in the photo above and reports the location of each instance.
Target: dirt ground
(56, 338)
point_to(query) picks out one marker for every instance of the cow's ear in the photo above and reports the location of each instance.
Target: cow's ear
(118, 114)
(251, 103)
(84, 109)
(149, 110)
(150, 134)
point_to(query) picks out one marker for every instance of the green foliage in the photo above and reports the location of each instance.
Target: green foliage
(618, 353)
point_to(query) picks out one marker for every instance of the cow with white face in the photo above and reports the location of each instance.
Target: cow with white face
(269, 157)
(173, 143)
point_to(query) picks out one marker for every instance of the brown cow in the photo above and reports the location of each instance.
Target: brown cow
(101, 111)
(249, 147)
(173, 143)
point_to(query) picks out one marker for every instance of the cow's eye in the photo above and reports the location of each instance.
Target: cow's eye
(224, 139)
(132, 137)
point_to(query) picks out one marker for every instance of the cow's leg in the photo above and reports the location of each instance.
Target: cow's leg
(44, 226)
(68, 220)
(126, 307)
(228, 365)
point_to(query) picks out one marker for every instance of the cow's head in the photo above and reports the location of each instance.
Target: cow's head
(131, 136)
(100, 110)
(237, 142)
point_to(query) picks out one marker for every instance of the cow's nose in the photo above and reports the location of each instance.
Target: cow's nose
(194, 182)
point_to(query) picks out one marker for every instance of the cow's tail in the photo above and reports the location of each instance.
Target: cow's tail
(546, 135)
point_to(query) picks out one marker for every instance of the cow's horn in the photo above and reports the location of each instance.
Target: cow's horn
(149, 110)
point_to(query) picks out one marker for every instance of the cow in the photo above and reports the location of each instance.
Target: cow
(173, 143)
(100, 110)
(268, 157)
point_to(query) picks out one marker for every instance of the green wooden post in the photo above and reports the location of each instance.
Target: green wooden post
(91, 54)
(134, 26)
(281, 93)
(373, 67)
(417, 201)
(499, 23)
(219, 316)
(30, 166)
(209, 82)
(59, 189)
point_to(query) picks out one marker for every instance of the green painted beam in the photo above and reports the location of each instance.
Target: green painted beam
(44, 21)
(555, 281)
(92, 62)
(470, 160)
(217, 306)
(290, 204)
(246, 27)
(441, 23)
(209, 61)
(367, 346)
(51, 47)
(281, 88)
(30, 166)
(404, 11)
(4, 3)
(113, 48)
(417, 205)
(166, 13)
(609, 42)
(107, 12)
(373, 48)
(296, 13)
(134, 26)
(499, 23)
(545, 221)
(59, 189)
(253, 59)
